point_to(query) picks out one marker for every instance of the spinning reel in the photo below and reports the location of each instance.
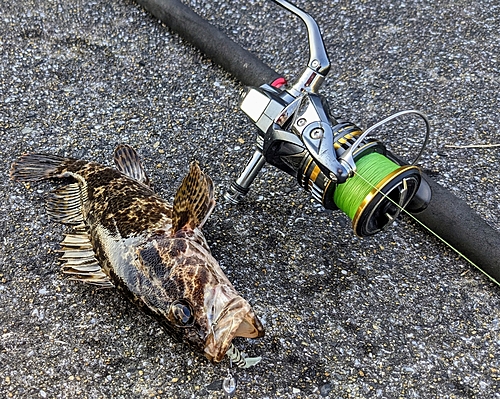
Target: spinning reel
(331, 158)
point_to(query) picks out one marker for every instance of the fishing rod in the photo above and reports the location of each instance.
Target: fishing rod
(330, 157)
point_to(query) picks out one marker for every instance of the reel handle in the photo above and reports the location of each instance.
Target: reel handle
(318, 65)
(239, 188)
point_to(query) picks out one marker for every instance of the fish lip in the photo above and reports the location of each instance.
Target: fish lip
(236, 319)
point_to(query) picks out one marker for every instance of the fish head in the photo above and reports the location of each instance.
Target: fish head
(197, 302)
(229, 316)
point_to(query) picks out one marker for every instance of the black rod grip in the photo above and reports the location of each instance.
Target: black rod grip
(220, 48)
(459, 225)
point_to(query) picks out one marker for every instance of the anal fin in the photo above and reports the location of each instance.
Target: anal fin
(194, 200)
(128, 162)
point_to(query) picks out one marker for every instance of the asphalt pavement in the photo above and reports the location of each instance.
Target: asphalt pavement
(398, 315)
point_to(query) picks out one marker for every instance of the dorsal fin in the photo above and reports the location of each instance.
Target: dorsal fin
(194, 200)
(128, 162)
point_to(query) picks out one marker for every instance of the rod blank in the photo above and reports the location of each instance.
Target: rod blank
(459, 225)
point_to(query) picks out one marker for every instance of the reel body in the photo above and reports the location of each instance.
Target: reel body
(297, 134)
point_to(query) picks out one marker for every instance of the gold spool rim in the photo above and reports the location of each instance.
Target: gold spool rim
(374, 191)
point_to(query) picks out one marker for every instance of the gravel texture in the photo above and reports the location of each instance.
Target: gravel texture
(398, 315)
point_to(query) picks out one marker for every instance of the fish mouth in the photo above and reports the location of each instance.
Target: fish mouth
(235, 319)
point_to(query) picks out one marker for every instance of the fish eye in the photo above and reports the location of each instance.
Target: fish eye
(182, 313)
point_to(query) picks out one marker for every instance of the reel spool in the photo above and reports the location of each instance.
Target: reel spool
(375, 195)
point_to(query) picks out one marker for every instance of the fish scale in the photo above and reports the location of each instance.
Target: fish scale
(123, 235)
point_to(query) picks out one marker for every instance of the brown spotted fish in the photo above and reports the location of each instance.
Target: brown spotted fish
(124, 235)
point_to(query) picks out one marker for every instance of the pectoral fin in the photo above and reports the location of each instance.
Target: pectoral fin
(64, 204)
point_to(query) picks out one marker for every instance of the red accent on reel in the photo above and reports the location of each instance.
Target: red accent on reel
(279, 82)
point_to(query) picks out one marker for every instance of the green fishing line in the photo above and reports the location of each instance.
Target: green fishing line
(373, 168)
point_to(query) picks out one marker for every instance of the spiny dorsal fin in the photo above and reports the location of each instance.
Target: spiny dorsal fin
(128, 162)
(194, 200)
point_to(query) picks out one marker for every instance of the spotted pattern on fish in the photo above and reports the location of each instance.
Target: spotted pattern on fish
(124, 235)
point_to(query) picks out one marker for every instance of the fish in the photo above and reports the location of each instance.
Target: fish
(122, 235)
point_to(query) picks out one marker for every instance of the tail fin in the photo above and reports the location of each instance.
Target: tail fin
(194, 200)
(34, 167)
